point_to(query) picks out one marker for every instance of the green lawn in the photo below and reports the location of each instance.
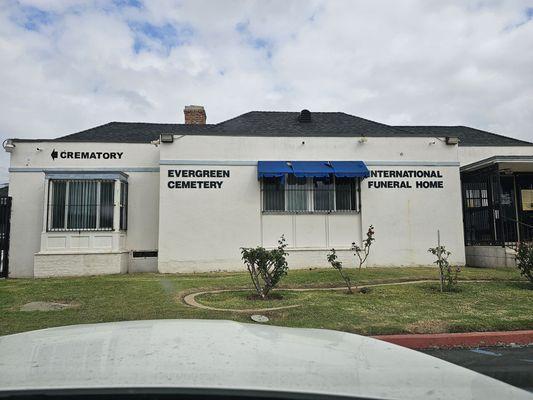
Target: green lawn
(497, 305)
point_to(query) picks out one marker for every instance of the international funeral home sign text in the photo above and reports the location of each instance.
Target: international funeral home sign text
(406, 179)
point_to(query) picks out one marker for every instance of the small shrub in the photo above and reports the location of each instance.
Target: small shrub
(448, 274)
(266, 267)
(360, 252)
(524, 260)
(335, 263)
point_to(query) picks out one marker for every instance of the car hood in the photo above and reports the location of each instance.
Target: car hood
(232, 356)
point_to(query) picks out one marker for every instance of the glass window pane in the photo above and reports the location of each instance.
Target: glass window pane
(296, 193)
(345, 194)
(527, 199)
(123, 205)
(323, 194)
(57, 204)
(106, 204)
(82, 205)
(273, 194)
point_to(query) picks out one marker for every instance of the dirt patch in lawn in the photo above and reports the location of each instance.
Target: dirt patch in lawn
(271, 296)
(428, 326)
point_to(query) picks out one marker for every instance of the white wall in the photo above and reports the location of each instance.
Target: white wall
(143, 211)
(82, 264)
(27, 191)
(468, 155)
(29, 160)
(406, 220)
(203, 229)
(228, 148)
(311, 231)
(27, 155)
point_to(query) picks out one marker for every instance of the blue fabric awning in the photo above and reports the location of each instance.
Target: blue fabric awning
(350, 169)
(273, 169)
(313, 169)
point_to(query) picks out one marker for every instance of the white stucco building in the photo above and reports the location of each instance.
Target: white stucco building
(127, 197)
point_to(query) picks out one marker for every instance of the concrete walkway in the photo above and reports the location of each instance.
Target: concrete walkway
(190, 299)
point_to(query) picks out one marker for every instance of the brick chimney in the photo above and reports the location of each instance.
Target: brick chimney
(194, 115)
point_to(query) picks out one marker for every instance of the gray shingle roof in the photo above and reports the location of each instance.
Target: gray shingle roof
(131, 132)
(274, 123)
(254, 123)
(467, 136)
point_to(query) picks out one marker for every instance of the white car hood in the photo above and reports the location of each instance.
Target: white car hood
(230, 355)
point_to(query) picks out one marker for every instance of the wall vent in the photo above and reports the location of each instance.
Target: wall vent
(144, 254)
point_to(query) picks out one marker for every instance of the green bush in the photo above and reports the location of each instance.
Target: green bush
(448, 273)
(266, 267)
(524, 260)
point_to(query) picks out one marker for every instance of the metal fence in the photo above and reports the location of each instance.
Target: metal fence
(5, 228)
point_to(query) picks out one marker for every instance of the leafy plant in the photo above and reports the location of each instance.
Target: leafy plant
(335, 263)
(448, 274)
(360, 252)
(524, 260)
(266, 267)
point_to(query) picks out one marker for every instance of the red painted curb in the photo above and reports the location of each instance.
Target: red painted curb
(450, 340)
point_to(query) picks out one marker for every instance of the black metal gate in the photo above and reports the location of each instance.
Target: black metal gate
(5, 219)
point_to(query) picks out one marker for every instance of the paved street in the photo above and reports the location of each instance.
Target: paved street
(511, 365)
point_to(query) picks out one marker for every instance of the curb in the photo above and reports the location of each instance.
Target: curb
(459, 340)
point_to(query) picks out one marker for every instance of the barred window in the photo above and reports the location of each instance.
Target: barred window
(323, 194)
(347, 194)
(83, 205)
(273, 194)
(476, 197)
(297, 193)
(123, 206)
(293, 194)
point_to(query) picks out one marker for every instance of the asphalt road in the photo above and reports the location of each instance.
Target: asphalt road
(513, 365)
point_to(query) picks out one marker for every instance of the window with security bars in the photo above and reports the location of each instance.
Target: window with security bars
(123, 206)
(476, 197)
(294, 194)
(77, 205)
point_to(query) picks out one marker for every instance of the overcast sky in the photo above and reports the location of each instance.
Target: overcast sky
(68, 65)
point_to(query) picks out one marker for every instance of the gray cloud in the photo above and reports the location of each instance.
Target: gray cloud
(68, 65)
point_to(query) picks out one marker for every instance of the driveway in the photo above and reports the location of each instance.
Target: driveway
(513, 365)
